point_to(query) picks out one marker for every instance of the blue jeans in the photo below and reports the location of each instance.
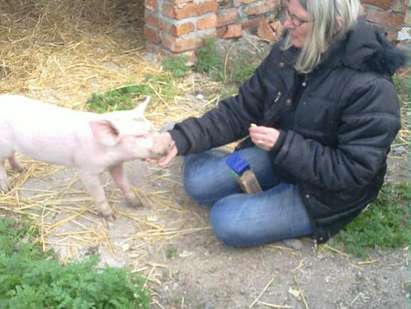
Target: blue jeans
(240, 219)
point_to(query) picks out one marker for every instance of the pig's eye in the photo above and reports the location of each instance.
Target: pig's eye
(140, 135)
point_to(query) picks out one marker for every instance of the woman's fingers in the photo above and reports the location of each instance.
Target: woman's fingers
(263, 137)
(165, 160)
(162, 143)
(164, 149)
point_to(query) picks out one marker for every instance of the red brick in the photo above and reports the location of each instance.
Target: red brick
(167, 10)
(179, 3)
(189, 9)
(259, 8)
(207, 7)
(207, 22)
(150, 4)
(151, 21)
(182, 29)
(178, 45)
(151, 35)
(228, 16)
(384, 4)
(176, 29)
(270, 31)
(252, 23)
(164, 26)
(220, 31)
(233, 31)
(385, 18)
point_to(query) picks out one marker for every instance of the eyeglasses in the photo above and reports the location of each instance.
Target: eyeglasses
(295, 20)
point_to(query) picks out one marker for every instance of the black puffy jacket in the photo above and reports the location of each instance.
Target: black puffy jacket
(336, 147)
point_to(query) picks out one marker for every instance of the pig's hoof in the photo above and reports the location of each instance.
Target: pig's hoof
(4, 187)
(134, 202)
(110, 218)
(106, 212)
(19, 169)
(108, 215)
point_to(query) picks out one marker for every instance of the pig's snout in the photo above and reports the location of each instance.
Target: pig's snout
(160, 146)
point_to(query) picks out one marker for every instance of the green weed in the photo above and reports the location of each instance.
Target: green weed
(121, 98)
(171, 252)
(125, 97)
(242, 70)
(383, 225)
(163, 85)
(177, 66)
(223, 68)
(209, 61)
(398, 83)
(30, 278)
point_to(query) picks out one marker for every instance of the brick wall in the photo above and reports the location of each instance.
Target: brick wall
(179, 26)
(391, 14)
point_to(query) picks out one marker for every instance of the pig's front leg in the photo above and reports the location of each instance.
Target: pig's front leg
(120, 178)
(95, 189)
(15, 164)
(4, 183)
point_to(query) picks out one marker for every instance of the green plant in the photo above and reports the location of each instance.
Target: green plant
(209, 61)
(30, 278)
(226, 68)
(117, 99)
(171, 252)
(124, 97)
(242, 70)
(176, 65)
(397, 83)
(383, 225)
(163, 85)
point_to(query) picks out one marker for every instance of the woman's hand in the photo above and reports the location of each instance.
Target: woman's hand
(263, 137)
(165, 147)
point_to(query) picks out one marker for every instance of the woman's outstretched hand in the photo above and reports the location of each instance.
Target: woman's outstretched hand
(165, 146)
(263, 137)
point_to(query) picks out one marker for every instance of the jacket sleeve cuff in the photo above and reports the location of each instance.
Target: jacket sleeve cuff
(180, 140)
(279, 143)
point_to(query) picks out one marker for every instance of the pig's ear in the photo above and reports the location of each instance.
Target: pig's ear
(104, 132)
(140, 109)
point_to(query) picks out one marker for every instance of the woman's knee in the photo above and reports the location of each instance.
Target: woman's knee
(207, 178)
(225, 225)
(243, 220)
(223, 230)
(195, 183)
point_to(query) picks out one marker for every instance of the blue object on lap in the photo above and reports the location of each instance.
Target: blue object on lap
(237, 163)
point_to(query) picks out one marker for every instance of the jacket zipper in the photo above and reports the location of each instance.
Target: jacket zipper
(277, 98)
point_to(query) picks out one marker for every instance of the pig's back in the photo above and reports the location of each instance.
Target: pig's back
(26, 115)
(15, 107)
(43, 131)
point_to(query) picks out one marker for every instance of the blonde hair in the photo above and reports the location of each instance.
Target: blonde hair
(331, 19)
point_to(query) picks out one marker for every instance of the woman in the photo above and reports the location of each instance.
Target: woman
(326, 113)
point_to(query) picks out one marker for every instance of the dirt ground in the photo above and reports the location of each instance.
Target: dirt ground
(169, 239)
(187, 267)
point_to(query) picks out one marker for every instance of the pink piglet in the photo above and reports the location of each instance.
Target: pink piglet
(90, 142)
